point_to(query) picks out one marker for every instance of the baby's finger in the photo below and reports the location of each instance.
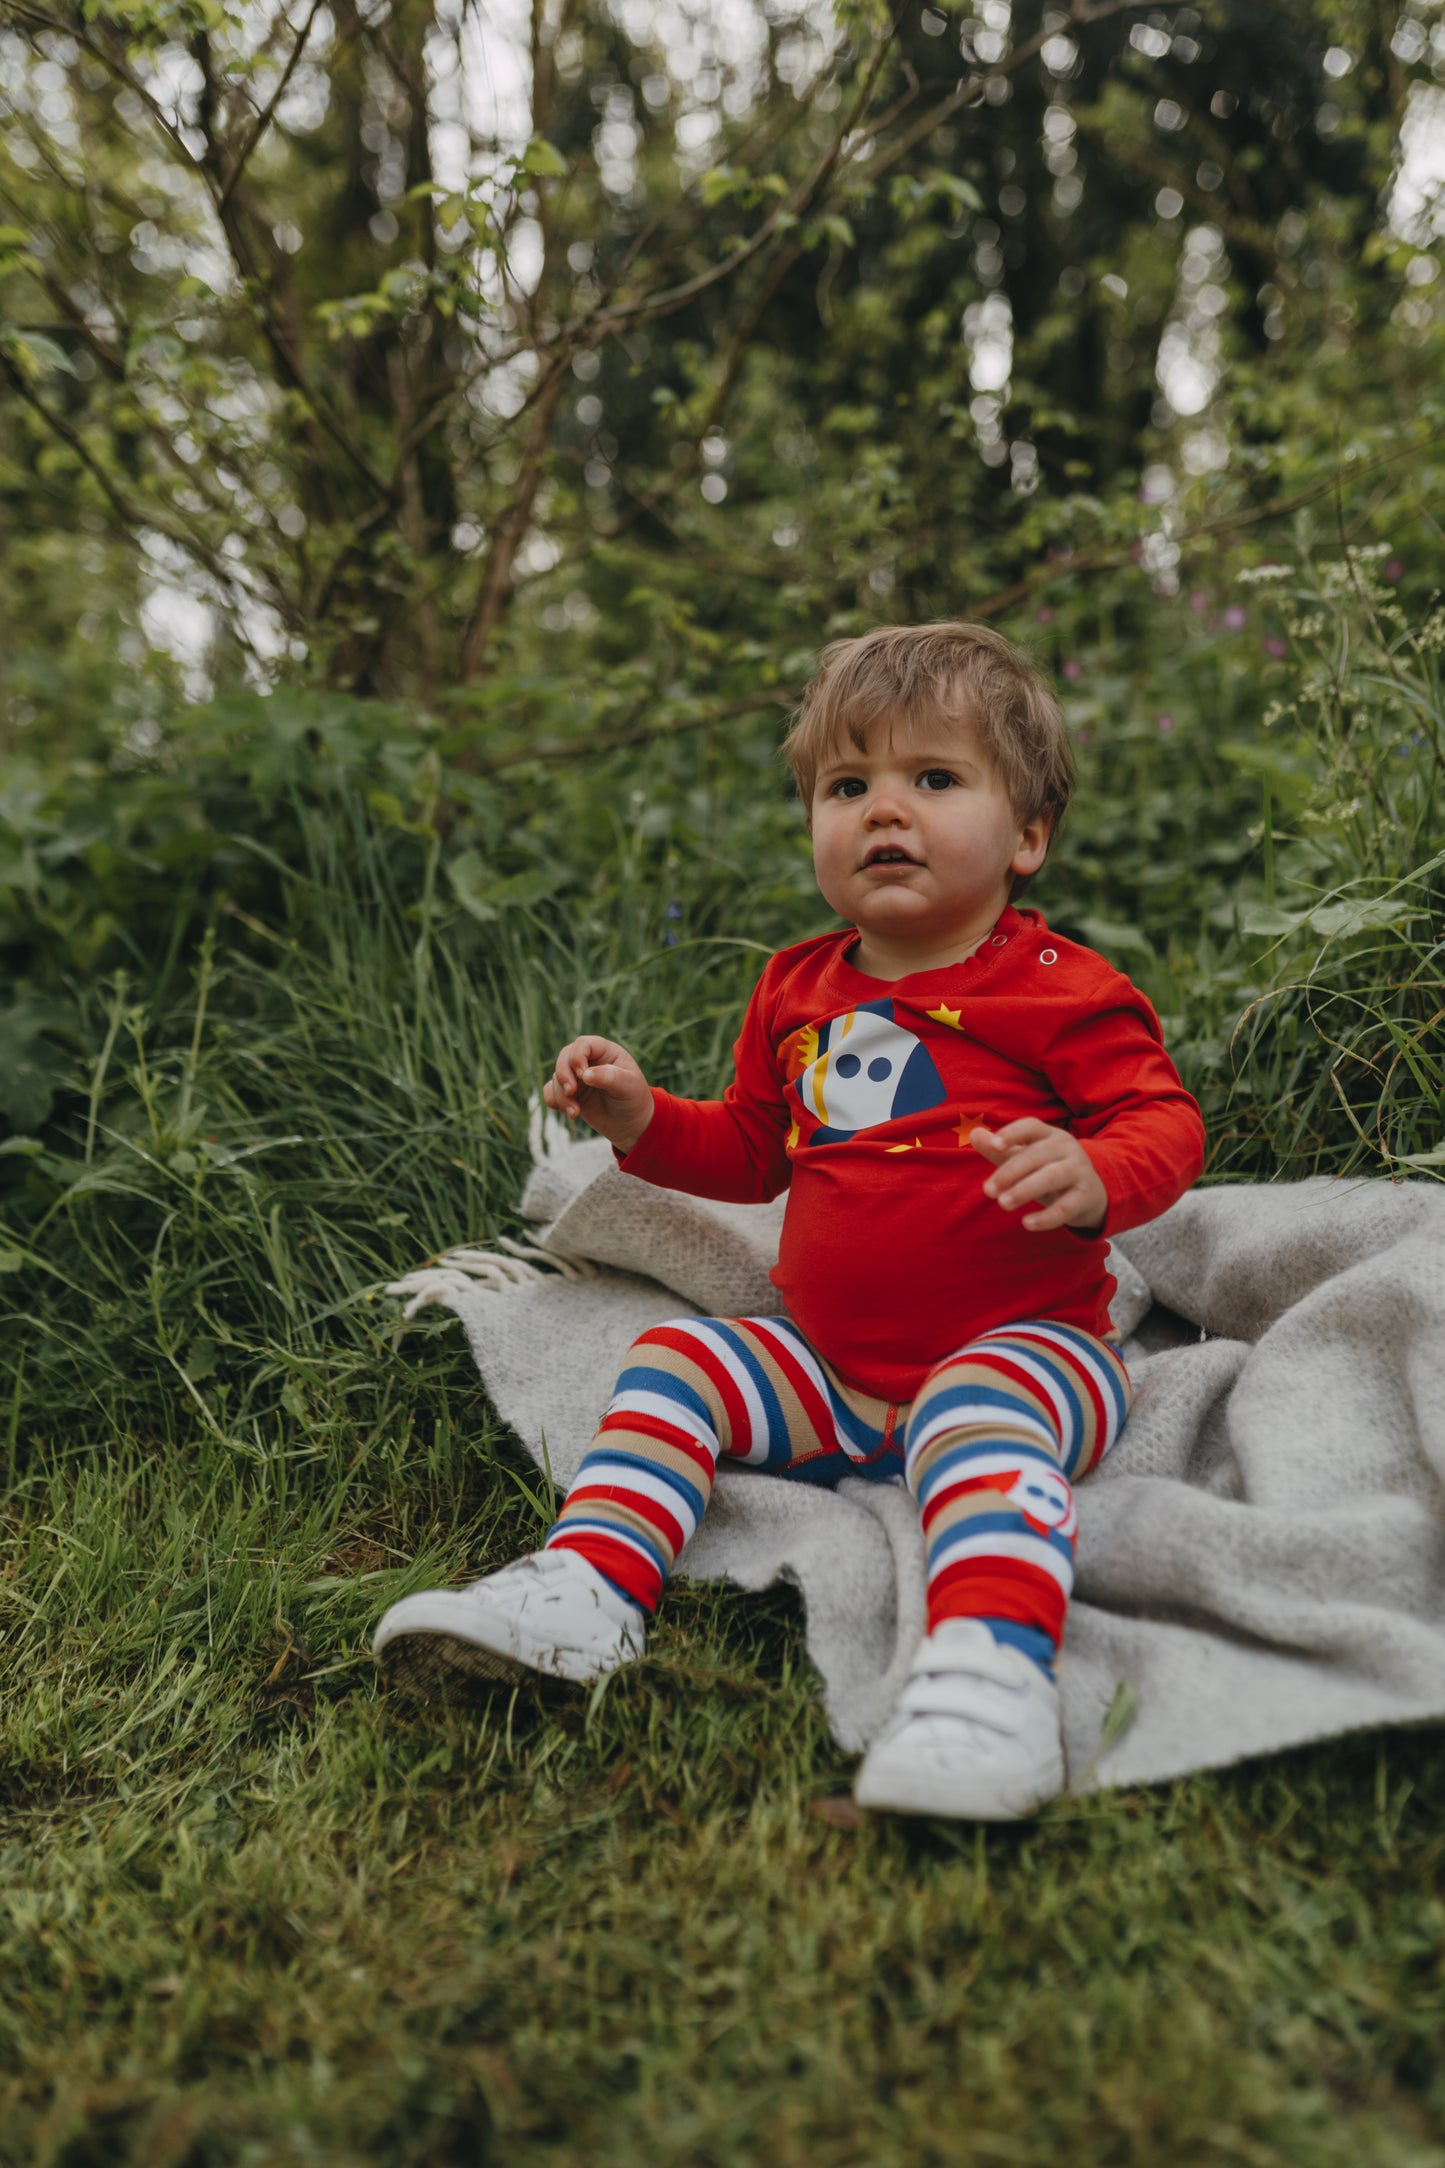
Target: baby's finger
(1057, 1214)
(1028, 1129)
(990, 1144)
(560, 1097)
(1046, 1184)
(604, 1076)
(1024, 1160)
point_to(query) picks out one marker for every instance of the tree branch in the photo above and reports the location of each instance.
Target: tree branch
(264, 118)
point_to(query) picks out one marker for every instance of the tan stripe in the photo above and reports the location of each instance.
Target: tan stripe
(655, 1452)
(946, 1443)
(969, 1506)
(620, 1516)
(803, 1439)
(983, 1373)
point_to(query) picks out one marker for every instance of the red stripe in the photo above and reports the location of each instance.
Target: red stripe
(656, 1515)
(943, 1497)
(627, 1569)
(634, 1425)
(988, 1357)
(1083, 1376)
(738, 1425)
(1006, 1588)
(814, 1406)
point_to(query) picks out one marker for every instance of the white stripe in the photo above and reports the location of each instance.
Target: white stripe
(1030, 1550)
(808, 1362)
(642, 1481)
(1072, 1356)
(757, 1451)
(617, 1535)
(951, 1475)
(1085, 1357)
(984, 1413)
(636, 1402)
(1036, 1368)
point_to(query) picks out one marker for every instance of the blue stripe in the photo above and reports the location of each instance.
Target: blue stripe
(960, 1450)
(779, 1450)
(1103, 1373)
(947, 1540)
(854, 1428)
(575, 1523)
(1058, 1374)
(683, 1396)
(601, 1458)
(988, 1397)
(1032, 1640)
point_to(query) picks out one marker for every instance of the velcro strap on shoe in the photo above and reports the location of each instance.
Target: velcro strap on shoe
(976, 1655)
(983, 1701)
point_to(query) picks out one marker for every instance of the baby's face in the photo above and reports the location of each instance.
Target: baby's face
(915, 839)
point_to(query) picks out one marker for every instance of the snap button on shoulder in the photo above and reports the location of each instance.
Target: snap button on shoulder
(998, 940)
(1048, 956)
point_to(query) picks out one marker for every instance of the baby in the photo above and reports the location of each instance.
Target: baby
(963, 1107)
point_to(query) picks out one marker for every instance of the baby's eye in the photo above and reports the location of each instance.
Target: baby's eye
(936, 779)
(848, 786)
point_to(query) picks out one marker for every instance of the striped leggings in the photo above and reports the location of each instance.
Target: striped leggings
(988, 1449)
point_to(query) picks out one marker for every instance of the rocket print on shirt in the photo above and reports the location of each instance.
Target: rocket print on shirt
(866, 1069)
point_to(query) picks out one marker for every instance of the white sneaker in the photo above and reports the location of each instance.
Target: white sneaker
(551, 1612)
(977, 1733)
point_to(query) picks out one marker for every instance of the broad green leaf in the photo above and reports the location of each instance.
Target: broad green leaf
(1106, 934)
(542, 160)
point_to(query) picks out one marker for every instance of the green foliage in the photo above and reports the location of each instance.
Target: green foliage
(315, 410)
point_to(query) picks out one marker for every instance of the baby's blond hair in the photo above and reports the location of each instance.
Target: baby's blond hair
(947, 673)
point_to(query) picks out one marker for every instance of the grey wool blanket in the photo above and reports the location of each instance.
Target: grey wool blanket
(1261, 1558)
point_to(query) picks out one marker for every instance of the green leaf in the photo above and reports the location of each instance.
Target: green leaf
(1119, 1715)
(1104, 934)
(485, 898)
(36, 356)
(1332, 921)
(1435, 1157)
(542, 160)
(718, 183)
(1267, 918)
(26, 1086)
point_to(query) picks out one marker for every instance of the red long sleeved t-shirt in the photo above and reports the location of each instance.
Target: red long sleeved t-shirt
(858, 1096)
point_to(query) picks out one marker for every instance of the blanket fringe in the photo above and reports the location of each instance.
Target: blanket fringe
(549, 1135)
(510, 1265)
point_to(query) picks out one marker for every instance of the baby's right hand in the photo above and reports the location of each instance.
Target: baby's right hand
(599, 1080)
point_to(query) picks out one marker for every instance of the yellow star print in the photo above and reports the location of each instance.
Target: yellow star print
(944, 1015)
(793, 1137)
(915, 1146)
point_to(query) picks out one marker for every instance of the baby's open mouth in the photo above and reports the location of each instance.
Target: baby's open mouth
(889, 854)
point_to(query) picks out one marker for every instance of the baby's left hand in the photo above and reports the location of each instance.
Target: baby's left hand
(1037, 1163)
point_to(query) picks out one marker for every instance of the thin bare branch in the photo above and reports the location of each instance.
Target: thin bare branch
(265, 116)
(782, 696)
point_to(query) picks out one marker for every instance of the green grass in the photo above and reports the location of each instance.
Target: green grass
(252, 1912)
